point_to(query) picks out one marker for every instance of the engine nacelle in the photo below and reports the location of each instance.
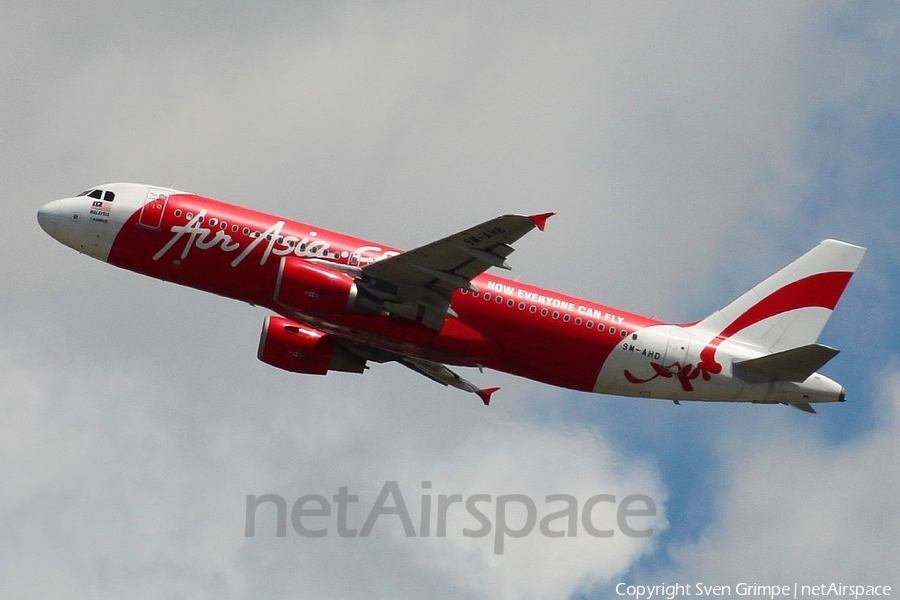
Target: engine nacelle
(312, 288)
(297, 348)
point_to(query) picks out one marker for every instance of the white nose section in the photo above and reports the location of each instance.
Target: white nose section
(68, 222)
(48, 217)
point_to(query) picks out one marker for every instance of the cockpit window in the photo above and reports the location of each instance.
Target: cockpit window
(99, 195)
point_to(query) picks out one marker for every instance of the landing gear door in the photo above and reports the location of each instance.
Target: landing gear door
(152, 211)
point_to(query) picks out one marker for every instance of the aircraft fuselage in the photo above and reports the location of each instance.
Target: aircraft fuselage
(491, 322)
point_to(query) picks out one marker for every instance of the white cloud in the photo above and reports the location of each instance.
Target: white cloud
(792, 507)
(572, 462)
(118, 486)
(648, 131)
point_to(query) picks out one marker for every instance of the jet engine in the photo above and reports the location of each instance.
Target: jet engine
(297, 348)
(305, 286)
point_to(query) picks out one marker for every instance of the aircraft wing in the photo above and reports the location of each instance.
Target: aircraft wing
(443, 375)
(432, 370)
(418, 284)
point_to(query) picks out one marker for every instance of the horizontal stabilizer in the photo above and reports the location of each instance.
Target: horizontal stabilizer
(805, 407)
(796, 364)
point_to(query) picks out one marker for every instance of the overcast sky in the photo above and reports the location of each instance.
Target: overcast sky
(689, 149)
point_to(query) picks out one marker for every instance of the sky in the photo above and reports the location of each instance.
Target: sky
(688, 149)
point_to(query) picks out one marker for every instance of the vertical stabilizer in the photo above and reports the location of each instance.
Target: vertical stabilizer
(790, 308)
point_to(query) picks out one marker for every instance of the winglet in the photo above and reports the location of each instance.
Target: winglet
(541, 219)
(485, 394)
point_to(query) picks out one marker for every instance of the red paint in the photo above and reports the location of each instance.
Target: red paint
(819, 290)
(487, 333)
(485, 394)
(540, 221)
(684, 373)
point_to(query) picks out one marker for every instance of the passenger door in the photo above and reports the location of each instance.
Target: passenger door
(152, 211)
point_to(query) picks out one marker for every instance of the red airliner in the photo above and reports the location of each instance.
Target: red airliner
(341, 302)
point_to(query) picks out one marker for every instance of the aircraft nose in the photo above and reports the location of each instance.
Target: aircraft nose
(48, 217)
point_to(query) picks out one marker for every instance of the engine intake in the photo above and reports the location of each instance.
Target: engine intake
(297, 348)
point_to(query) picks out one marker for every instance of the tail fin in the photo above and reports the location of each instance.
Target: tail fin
(789, 309)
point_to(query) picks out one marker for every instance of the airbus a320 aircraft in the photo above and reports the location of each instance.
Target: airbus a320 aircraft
(341, 302)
